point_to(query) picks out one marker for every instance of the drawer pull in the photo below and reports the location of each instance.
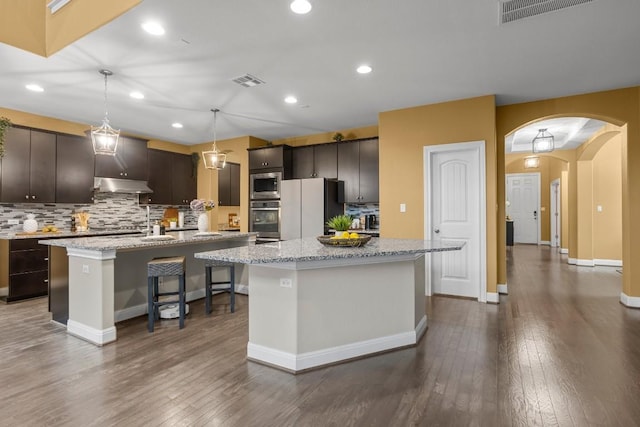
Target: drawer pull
(46, 259)
(46, 280)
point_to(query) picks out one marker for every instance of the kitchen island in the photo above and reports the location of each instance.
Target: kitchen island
(313, 305)
(97, 281)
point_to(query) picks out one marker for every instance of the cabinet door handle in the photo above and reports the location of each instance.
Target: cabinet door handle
(33, 197)
(26, 197)
(46, 259)
(46, 280)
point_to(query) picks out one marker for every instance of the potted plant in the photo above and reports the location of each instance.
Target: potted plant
(338, 137)
(4, 125)
(340, 223)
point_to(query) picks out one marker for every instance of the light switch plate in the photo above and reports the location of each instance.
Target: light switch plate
(403, 207)
(286, 283)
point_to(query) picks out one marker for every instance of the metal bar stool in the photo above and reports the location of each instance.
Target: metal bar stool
(224, 286)
(167, 266)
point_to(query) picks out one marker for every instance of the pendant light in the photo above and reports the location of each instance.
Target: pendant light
(214, 159)
(105, 138)
(543, 142)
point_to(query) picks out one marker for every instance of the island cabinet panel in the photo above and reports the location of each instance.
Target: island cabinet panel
(315, 161)
(130, 161)
(26, 274)
(184, 184)
(28, 171)
(229, 185)
(160, 178)
(74, 169)
(358, 168)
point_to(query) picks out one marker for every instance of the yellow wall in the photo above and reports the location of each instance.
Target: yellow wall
(29, 25)
(620, 107)
(403, 136)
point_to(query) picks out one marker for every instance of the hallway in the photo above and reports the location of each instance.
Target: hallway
(558, 350)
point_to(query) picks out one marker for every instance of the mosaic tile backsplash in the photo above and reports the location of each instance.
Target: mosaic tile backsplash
(357, 210)
(109, 211)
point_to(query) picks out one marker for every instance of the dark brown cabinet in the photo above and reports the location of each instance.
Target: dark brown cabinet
(28, 168)
(74, 169)
(315, 161)
(130, 161)
(171, 179)
(27, 272)
(358, 168)
(274, 157)
(229, 185)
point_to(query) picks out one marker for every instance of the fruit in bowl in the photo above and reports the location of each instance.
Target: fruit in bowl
(49, 229)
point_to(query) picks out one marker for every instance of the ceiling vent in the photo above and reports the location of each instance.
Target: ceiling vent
(514, 10)
(248, 81)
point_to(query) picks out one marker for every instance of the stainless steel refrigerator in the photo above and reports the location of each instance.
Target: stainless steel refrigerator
(307, 204)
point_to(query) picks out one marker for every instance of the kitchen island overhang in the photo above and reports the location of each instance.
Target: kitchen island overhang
(107, 276)
(313, 305)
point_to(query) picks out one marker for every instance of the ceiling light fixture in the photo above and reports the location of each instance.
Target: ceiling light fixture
(531, 162)
(291, 99)
(105, 138)
(153, 28)
(177, 125)
(364, 69)
(300, 6)
(214, 159)
(34, 87)
(137, 95)
(543, 142)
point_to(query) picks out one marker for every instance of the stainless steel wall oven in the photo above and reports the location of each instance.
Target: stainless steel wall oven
(264, 219)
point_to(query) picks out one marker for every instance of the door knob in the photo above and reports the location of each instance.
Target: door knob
(437, 230)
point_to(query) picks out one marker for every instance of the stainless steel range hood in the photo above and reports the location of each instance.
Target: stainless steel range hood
(115, 185)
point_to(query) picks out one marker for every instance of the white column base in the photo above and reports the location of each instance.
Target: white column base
(608, 262)
(502, 289)
(626, 300)
(87, 333)
(564, 250)
(304, 361)
(493, 298)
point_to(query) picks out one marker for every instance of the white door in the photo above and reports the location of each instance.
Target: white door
(555, 213)
(455, 211)
(523, 194)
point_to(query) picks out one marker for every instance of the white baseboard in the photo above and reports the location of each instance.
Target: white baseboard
(572, 261)
(626, 300)
(545, 242)
(4, 291)
(141, 309)
(493, 297)
(87, 333)
(502, 289)
(313, 359)
(585, 263)
(564, 250)
(608, 262)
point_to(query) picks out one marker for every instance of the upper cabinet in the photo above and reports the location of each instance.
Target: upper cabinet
(229, 185)
(74, 169)
(315, 161)
(130, 161)
(358, 168)
(28, 172)
(272, 157)
(171, 178)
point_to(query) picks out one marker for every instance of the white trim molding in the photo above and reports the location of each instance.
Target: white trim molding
(572, 261)
(627, 301)
(493, 298)
(564, 250)
(502, 289)
(585, 263)
(545, 243)
(608, 262)
(95, 336)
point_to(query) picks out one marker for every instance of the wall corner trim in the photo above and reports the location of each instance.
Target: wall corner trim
(608, 262)
(628, 301)
(564, 250)
(493, 298)
(502, 289)
(585, 263)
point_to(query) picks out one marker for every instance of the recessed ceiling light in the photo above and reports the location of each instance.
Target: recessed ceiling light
(34, 87)
(137, 95)
(177, 125)
(291, 100)
(364, 69)
(153, 28)
(300, 6)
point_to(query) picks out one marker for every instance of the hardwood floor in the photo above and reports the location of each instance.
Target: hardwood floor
(558, 350)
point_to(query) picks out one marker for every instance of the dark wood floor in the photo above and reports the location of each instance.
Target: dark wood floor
(558, 350)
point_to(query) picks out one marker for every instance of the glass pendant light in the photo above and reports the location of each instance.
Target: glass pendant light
(105, 138)
(214, 159)
(543, 142)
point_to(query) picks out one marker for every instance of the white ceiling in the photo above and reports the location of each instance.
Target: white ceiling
(568, 133)
(421, 51)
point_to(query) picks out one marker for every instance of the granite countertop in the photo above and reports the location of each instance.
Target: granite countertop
(310, 249)
(17, 235)
(120, 242)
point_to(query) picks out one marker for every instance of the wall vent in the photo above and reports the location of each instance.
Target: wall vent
(514, 10)
(248, 81)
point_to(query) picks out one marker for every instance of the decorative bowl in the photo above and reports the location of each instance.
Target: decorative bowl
(351, 242)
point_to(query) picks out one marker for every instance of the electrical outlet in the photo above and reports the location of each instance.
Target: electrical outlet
(85, 268)
(286, 283)
(14, 221)
(403, 207)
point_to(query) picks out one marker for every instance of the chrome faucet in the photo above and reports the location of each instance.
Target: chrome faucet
(148, 230)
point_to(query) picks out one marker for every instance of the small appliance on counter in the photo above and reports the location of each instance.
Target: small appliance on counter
(371, 222)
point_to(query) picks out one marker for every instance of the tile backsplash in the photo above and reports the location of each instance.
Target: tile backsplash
(109, 211)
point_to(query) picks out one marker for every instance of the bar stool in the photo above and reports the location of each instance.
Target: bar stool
(166, 266)
(211, 286)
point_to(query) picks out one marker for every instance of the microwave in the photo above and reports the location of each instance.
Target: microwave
(265, 185)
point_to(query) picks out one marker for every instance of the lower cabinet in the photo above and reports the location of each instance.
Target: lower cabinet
(24, 270)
